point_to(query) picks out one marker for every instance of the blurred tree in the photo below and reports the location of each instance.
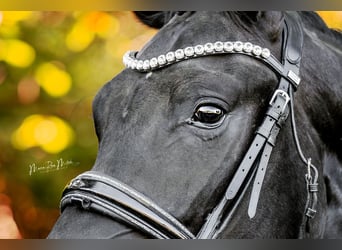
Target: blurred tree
(8, 227)
(49, 74)
(51, 66)
(332, 18)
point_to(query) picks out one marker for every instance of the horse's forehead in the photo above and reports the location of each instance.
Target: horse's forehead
(190, 30)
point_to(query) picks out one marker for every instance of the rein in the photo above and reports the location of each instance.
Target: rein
(98, 192)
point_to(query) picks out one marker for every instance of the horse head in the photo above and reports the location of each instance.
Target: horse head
(175, 130)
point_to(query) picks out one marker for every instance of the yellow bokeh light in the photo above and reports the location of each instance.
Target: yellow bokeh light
(107, 25)
(53, 135)
(9, 31)
(55, 81)
(101, 23)
(332, 18)
(16, 53)
(48, 132)
(12, 17)
(79, 38)
(45, 131)
(89, 25)
(22, 137)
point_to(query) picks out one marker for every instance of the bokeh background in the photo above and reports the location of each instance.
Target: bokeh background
(51, 66)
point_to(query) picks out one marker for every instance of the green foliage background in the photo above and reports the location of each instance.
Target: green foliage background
(35, 198)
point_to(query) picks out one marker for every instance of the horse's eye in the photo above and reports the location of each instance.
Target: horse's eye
(208, 114)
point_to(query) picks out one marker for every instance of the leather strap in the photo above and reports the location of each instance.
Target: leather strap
(273, 115)
(102, 193)
(295, 39)
(263, 142)
(278, 105)
(265, 156)
(292, 52)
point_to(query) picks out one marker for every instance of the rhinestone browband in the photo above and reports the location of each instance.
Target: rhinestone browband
(130, 60)
(238, 47)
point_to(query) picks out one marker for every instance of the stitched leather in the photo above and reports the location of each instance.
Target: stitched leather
(291, 62)
(102, 193)
(254, 150)
(295, 39)
(259, 178)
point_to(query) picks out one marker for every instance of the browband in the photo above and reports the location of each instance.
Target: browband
(209, 49)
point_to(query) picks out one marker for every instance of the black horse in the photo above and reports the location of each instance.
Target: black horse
(178, 129)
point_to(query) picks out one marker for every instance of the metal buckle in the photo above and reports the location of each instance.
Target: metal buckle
(284, 95)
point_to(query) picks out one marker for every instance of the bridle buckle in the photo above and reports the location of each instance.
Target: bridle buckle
(282, 94)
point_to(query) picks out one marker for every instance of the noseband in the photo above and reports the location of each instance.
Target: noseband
(98, 192)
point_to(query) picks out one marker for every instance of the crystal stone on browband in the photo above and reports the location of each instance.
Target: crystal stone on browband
(130, 60)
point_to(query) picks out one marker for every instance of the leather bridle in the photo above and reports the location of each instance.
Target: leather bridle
(98, 192)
